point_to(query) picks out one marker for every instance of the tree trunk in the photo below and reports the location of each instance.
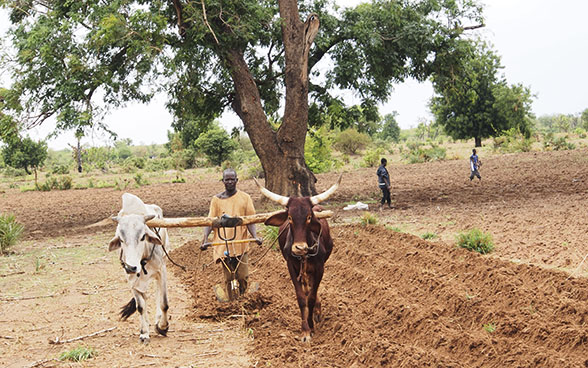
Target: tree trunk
(281, 153)
(281, 156)
(478, 141)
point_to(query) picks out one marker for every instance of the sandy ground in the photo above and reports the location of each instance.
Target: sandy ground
(390, 299)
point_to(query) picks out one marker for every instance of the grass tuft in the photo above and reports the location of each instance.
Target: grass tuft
(78, 354)
(368, 218)
(476, 240)
(10, 232)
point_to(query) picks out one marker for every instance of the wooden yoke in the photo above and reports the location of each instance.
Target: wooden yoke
(216, 222)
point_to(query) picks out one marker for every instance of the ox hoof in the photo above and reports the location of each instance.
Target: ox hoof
(162, 331)
(144, 339)
(306, 339)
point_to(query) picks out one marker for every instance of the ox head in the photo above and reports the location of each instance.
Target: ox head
(135, 238)
(299, 215)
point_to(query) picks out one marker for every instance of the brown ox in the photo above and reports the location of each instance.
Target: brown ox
(306, 244)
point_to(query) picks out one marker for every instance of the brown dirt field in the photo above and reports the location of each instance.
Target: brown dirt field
(389, 299)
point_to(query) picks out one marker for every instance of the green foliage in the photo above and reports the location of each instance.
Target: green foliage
(10, 231)
(350, 141)
(489, 327)
(553, 143)
(368, 218)
(81, 55)
(419, 153)
(25, 154)
(139, 180)
(78, 354)
(428, 236)
(216, 144)
(63, 182)
(12, 172)
(390, 128)
(580, 132)
(474, 101)
(60, 169)
(512, 141)
(270, 236)
(372, 157)
(476, 240)
(584, 119)
(317, 152)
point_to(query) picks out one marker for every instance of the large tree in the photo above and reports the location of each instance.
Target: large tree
(473, 99)
(254, 56)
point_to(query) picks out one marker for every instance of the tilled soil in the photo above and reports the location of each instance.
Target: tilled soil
(393, 299)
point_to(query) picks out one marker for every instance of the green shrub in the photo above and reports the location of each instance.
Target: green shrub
(60, 169)
(139, 179)
(11, 172)
(65, 183)
(350, 141)
(512, 141)
(476, 240)
(557, 143)
(78, 354)
(216, 144)
(10, 232)
(372, 157)
(317, 153)
(420, 154)
(159, 164)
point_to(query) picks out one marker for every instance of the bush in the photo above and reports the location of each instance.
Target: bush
(10, 232)
(372, 158)
(11, 172)
(420, 154)
(317, 153)
(512, 141)
(476, 240)
(350, 141)
(557, 143)
(65, 183)
(216, 144)
(60, 169)
(61, 183)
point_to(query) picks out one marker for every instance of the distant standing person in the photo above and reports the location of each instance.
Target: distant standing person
(384, 183)
(475, 164)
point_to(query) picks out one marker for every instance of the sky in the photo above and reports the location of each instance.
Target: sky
(542, 45)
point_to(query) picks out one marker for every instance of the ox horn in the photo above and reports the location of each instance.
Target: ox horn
(271, 195)
(324, 195)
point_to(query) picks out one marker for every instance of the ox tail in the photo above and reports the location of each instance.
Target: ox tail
(128, 309)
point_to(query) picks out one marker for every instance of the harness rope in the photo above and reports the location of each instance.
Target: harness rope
(144, 261)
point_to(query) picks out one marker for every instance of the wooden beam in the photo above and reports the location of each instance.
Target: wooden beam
(214, 222)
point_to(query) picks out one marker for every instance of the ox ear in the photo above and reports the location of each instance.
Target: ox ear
(315, 225)
(278, 219)
(114, 244)
(152, 237)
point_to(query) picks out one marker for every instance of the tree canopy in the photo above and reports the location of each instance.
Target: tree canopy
(474, 100)
(76, 59)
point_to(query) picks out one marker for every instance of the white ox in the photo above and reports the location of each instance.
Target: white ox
(141, 256)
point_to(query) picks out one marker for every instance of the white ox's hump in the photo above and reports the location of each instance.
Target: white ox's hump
(132, 205)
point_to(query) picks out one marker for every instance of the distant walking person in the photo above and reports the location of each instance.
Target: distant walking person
(475, 164)
(384, 183)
